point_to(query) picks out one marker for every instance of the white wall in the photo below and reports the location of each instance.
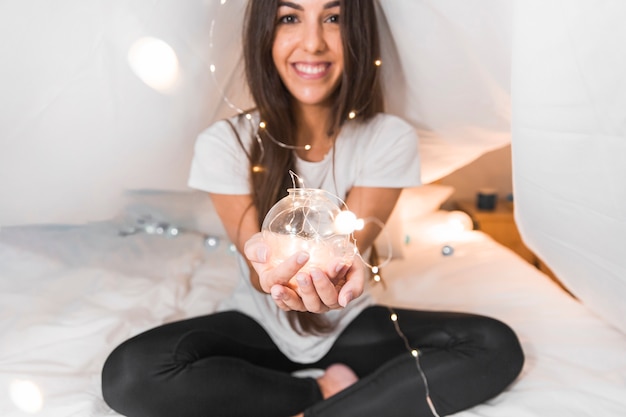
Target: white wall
(77, 125)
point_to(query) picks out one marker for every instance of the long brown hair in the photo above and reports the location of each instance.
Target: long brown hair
(359, 91)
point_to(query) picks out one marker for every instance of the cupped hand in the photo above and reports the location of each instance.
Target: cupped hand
(270, 273)
(313, 290)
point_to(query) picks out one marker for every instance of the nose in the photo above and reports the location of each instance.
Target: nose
(313, 40)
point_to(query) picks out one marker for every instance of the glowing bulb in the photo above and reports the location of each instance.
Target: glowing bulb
(415, 353)
(375, 270)
(248, 116)
(352, 115)
(305, 220)
(26, 396)
(378, 62)
(307, 147)
(257, 168)
(394, 317)
(154, 62)
(262, 125)
(212, 68)
(346, 223)
(377, 278)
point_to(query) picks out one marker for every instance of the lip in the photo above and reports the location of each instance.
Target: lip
(311, 70)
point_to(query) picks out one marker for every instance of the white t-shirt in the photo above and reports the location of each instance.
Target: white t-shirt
(381, 152)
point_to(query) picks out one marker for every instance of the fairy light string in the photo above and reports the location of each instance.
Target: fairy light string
(261, 126)
(415, 353)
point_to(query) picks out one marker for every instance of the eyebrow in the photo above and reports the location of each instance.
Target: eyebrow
(328, 5)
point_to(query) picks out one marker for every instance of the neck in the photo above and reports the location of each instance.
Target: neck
(313, 124)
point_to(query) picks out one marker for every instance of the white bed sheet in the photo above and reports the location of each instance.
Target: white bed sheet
(69, 295)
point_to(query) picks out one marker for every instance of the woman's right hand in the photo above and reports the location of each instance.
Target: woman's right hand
(259, 254)
(292, 289)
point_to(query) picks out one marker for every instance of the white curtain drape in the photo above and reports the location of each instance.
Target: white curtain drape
(569, 144)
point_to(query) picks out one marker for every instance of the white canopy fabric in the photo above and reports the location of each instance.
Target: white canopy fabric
(101, 96)
(569, 145)
(78, 125)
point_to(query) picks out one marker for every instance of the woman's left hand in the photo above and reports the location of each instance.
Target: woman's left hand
(318, 291)
(313, 290)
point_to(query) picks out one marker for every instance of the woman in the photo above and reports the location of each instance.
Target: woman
(312, 70)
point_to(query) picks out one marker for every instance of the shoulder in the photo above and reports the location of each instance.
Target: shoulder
(389, 122)
(231, 136)
(383, 127)
(233, 126)
(219, 156)
(383, 131)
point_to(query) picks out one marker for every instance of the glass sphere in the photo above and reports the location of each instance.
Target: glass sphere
(308, 220)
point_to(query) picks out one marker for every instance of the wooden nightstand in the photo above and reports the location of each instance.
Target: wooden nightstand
(499, 224)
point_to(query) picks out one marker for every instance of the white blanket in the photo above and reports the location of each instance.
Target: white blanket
(69, 295)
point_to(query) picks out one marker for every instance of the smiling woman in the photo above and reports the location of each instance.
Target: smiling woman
(78, 126)
(312, 67)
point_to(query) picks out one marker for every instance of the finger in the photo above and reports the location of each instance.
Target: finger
(282, 273)
(355, 282)
(345, 296)
(286, 298)
(325, 288)
(277, 295)
(290, 266)
(339, 279)
(352, 289)
(308, 294)
(256, 250)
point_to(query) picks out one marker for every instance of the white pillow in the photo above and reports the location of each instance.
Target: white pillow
(414, 203)
(420, 201)
(190, 210)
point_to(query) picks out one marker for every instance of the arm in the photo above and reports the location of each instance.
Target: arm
(370, 202)
(239, 217)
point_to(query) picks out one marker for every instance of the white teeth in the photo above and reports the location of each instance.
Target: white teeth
(311, 69)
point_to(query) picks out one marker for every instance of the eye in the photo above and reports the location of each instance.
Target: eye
(333, 19)
(288, 19)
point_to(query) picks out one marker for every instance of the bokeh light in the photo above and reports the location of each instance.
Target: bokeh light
(26, 396)
(155, 63)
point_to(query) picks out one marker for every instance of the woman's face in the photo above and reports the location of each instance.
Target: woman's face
(307, 49)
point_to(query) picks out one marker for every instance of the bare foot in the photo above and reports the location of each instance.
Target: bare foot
(336, 378)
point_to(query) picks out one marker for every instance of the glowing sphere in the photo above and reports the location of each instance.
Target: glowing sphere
(26, 396)
(155, 63)
(309, 220)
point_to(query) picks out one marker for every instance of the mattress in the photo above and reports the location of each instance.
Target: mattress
(70, 294)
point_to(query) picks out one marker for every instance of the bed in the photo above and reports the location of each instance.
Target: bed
(70, 294)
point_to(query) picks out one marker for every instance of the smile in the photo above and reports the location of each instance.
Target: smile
(311, 70)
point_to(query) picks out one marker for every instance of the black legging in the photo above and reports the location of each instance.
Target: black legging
(225, 365)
